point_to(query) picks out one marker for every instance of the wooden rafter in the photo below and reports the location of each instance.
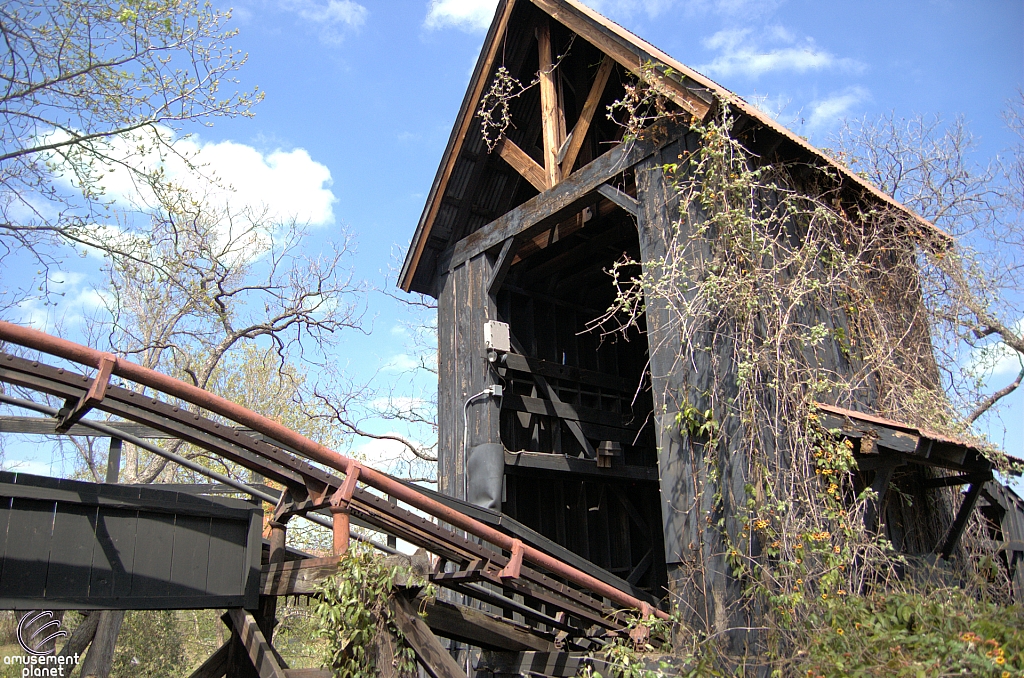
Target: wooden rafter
(481, 74)
(579, 131)
(549, 104)
(591, 31)
(524, 164)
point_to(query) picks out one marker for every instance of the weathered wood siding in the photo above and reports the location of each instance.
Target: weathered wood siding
(463, 308)
(75, 545)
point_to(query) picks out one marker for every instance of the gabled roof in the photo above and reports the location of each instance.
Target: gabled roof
(691, 91)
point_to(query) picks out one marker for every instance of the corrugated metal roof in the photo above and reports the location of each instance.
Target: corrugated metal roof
(977, 445)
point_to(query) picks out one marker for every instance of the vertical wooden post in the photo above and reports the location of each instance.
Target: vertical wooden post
(100, 659)
(266, 616)
(392, 540)
(549, 104)
(464, 306)
(692, 502)
(114, 460)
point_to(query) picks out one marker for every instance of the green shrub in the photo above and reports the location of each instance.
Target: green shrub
(942, 633)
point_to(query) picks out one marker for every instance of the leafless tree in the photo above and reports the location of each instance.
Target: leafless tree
(85, 88)
(973, 282)
(228, 302)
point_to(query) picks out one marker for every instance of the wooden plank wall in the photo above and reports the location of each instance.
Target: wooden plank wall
(76, 545)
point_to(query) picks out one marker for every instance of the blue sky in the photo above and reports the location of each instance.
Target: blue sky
(361, 97)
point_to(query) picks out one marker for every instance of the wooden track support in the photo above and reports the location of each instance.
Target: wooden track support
(429, 651)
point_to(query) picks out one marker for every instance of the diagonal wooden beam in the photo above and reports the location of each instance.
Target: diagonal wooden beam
(582, 21)
(567, 198)
(216, 665)
(572, 424)
(626, 202)
(524, 164)
(579, 131)
(501, 265)
(431, 655)
(549, 104)
(945, 549)
(256, 645)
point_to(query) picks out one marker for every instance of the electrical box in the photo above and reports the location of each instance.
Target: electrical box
(496, 337)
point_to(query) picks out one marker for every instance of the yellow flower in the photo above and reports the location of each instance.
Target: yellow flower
(1000, 660)
(824, 596)
(836, 549)
(1006, 674)
(839, 631)
(799, 581)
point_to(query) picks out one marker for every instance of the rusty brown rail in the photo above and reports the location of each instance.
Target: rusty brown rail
(68, 350)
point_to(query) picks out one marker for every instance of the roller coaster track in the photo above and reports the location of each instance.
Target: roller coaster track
(560, 597)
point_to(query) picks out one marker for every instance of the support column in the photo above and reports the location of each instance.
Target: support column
(691, 504)
(341, 529)
(100, 659)
(464, 306)
(266, 616)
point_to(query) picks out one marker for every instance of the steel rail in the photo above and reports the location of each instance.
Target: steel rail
(68, 350)
(323, 521)
(376, 512)
(271, 461)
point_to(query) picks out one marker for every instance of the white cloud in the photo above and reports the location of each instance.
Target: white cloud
(31, 312)
(476, 14)
(288, 184)
(79, 299)
(390, 456)
(826, 113)
(655, 8)
(400, 363)
(651, 8)
(471, 15)
(777, 49)
(775, 106)
(397, 404)
(331, 19)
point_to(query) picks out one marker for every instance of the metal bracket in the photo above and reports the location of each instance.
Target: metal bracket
(285, 507)
(343, 497)
(640, 633)
(515, 562)
(69, 415)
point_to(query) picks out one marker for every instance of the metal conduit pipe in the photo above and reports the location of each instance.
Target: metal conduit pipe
(187, 463)
(62, 348)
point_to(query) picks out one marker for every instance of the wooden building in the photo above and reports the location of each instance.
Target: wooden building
(520, 236)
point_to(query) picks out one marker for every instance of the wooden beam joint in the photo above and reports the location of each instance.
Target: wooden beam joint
(518, 159)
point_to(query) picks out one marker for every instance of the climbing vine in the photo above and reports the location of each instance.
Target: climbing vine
(495, 110)
(362, 639)
(782, 293)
